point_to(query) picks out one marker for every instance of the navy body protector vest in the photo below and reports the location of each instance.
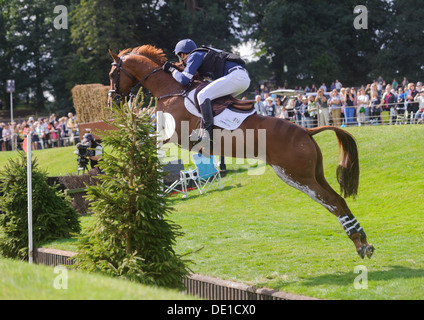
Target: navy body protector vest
(213, 65)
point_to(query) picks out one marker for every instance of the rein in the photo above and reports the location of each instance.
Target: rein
(116, 93)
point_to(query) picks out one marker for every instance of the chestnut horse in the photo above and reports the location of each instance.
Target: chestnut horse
(289, 149)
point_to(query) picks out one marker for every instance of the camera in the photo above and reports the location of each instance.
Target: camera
(82, 150)
(83, 153)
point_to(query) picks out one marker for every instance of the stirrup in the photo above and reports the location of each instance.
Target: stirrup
(197, 135)
(200, 134)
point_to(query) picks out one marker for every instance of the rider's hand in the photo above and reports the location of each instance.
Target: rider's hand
(168, 67)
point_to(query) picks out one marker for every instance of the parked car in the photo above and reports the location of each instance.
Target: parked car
(288, 96)
(326, 94)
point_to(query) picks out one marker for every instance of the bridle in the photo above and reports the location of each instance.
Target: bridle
(115, 93)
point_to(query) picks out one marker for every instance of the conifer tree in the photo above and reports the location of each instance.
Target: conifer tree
(132, 236)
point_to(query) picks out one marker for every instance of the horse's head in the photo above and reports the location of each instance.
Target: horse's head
(121, 81)
(124, 81)
(114, 76)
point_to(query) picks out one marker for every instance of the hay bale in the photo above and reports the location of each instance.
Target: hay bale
(90, 101)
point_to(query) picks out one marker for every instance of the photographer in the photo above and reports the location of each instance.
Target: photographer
(349, 109)
(96, 150)
(323, 112)
(88, 151)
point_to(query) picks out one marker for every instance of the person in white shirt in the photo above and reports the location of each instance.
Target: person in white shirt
(420, 99)
(284, 113)
(7, 137)
(258, 104)
(338, 85)
(363, 107)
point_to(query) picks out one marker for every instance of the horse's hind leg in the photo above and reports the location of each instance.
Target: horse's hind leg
(348, 221)
(321, 192)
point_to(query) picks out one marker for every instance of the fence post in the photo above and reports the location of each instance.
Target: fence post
(29, 192)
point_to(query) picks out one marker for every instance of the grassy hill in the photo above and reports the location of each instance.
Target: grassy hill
(260, 231)
(21, 281)
(57, 161)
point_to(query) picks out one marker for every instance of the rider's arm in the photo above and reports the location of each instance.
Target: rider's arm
(194, 61)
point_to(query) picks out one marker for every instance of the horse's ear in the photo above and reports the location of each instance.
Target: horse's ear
(114, 56)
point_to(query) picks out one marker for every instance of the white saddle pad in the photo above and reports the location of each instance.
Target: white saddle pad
(227, 119)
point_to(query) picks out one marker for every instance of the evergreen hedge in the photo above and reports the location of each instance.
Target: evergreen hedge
(53, 215)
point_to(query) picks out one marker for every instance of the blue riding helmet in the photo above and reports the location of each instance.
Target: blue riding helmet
(185, 46)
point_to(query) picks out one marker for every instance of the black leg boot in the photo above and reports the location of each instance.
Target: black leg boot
(206, 109)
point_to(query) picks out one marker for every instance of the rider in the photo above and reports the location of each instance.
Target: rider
(226, 70)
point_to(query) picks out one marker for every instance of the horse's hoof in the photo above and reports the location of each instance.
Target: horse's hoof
(366, 250)
(362, 251)
(370, 251)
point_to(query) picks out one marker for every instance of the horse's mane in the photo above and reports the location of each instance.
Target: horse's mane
(151, 52)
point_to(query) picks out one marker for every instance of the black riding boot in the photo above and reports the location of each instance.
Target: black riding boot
(206, 109)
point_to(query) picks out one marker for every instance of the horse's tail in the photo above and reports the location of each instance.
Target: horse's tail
(348, 168)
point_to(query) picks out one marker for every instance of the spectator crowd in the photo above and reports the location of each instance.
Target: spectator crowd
(347, 106)
(336, 105)
(48, 132)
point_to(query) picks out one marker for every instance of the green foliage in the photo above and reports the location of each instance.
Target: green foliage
(31, 48)
(53, 215)
(403, 41)
(118, 26)
(131, 236)
(317, 40)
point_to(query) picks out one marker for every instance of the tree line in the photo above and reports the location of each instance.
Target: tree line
(297, 42)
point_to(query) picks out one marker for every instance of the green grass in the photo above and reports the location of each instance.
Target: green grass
(19, 280)
(262, 232)
(57, 161)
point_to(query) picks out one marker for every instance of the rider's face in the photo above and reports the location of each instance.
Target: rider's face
(183, 57)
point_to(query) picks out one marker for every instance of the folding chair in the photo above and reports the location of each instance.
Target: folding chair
(206, 174)
(176, 171)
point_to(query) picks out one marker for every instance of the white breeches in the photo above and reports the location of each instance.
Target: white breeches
(233, 83)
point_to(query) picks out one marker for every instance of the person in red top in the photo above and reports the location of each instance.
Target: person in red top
(389, 103)
(54, 136)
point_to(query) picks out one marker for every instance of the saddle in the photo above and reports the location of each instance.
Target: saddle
(221, 103)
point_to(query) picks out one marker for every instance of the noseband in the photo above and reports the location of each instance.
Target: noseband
(116, 93)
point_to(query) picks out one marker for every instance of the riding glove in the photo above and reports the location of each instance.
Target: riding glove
(168, 67)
